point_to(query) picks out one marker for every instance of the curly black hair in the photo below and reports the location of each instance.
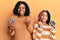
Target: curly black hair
(15, 10)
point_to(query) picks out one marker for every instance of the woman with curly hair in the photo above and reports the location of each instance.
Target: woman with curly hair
(21, 24)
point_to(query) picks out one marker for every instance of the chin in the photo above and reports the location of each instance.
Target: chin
(21, 14)
(43, 20)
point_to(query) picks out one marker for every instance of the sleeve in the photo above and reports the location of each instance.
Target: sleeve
(27, 21)
(36, 35)
(37, 32)
(35, 28)
(52, 35)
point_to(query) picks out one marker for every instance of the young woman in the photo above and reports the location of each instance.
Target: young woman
(42, 30)
(21, 24)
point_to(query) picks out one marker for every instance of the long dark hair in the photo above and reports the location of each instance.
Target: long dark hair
(48, 13)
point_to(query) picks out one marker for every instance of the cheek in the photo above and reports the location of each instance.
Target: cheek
(41, 18)
(18, 10)
(46, 18)
(24, 10)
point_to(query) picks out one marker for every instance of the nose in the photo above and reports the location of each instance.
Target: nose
(20, 9)
(43, 16)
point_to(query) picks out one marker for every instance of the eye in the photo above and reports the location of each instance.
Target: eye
(46, 16)
(23, 7)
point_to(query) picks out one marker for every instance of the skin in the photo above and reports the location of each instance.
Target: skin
(44, 18)
(23, 26)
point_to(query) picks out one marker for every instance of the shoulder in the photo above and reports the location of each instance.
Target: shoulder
(29, 18)
(12, 16)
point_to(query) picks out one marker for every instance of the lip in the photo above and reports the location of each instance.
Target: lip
(20, 11)
(43, 18)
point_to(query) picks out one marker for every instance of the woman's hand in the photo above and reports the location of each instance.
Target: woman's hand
(11, 25)
(40, 23)
(11, 31)
(29, 23)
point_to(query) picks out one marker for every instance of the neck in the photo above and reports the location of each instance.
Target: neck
(44, 23)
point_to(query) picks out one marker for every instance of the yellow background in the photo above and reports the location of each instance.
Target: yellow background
(6, 8)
